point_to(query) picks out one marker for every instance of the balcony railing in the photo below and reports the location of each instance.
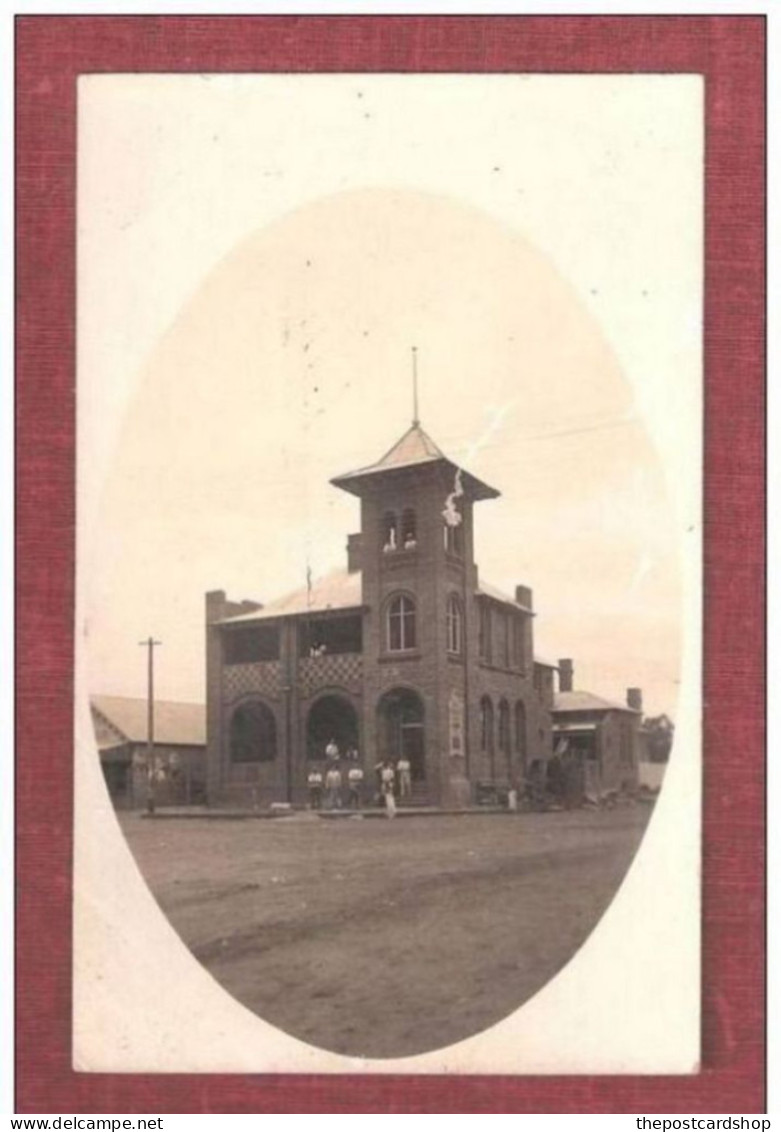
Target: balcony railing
(341, 669)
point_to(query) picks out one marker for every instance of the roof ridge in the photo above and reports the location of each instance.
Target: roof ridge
(143, 699)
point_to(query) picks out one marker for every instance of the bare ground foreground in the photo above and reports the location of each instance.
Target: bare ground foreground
(386, 939)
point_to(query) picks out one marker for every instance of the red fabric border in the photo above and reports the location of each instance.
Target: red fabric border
(730, 52)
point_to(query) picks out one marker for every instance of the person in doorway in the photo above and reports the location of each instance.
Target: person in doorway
(387, 777)
(355, 787)
(314, 781)
(332, 750)
(333, 787)
(405, 777)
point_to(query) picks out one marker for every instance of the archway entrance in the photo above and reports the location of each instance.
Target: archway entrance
(331, 717)
(401, 729)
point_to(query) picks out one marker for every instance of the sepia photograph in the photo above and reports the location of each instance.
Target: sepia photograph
(388, 580)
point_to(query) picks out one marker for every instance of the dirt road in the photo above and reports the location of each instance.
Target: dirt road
(383, 939)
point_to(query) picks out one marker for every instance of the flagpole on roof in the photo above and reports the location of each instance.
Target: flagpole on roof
(415, 416)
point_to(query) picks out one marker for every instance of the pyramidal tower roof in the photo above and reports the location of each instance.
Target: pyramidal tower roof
(414, 449)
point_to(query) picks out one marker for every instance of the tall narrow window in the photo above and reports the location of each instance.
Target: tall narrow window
(486, 725)
(487, 738)
(390, 532)
(454, 538)
(409, 530)
(502, 655)
(517, 642)
(455, 625)
(485, 632)
(520, 730)
(401, 624)
(504, 727)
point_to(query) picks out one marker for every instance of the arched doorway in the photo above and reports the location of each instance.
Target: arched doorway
(253, 733)
(331, 717)
(401, 729)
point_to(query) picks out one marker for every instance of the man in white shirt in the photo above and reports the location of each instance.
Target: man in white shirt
(387, 777)
(314, 781)
(405, 777)
(355, 785)
(333, 787)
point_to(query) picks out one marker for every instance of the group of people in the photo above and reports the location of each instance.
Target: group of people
(326, 788)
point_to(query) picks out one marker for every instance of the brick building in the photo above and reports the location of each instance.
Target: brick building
(599, 738)
(405, 651)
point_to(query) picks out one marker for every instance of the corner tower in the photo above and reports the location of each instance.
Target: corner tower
(419, 584)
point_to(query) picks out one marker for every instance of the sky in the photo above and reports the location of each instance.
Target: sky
(256, 263)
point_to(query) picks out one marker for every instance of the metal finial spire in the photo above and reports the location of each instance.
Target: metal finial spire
(415, 417)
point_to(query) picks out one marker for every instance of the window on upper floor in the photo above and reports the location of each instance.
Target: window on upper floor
(401, 624)
(502, 639)
(520, 729)
(409, 530)
(504, 726)
(390, 532)
(453, 535)
(486, 724)
(455, 625)
(516, 642)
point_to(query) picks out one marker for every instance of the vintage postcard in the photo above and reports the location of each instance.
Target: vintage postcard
(389, 573)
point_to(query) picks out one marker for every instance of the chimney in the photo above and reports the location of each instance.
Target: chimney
(523, 595)
(634, 698)
(354, 562)
(566, 675)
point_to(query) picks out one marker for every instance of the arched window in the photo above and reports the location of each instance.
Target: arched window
(409, 530)
(401, 624)
(453, 535)
(520, 729)
(455, 625)
(390, 532)
(504, 727)
(486, 725)
(487, 737)
(253, 734)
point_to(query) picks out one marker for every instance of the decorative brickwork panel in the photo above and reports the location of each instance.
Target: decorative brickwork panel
(243, 679)
(343, 669)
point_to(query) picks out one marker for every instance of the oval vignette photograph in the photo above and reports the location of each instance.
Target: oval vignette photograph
(389, 543)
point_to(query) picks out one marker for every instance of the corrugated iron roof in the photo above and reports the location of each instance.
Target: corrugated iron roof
(176, 723)
(497, 595)
(340, 589)
(587, 701)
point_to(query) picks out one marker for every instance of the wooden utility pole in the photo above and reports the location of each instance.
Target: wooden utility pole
(150, 644)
